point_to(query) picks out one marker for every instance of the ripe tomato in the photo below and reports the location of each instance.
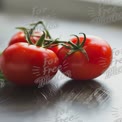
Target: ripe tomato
(80, 67)
(55, 49)
(25, 64)
(20, 37)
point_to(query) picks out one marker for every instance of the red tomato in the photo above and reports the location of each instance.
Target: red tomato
(20, 37)
(25, 64)
(55, 49)
(77, 66)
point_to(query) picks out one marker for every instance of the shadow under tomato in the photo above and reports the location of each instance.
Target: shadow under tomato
(88, 94)
(32, 99)
(26, 99)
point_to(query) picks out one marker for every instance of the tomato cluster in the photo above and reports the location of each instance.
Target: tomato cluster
(34, 57)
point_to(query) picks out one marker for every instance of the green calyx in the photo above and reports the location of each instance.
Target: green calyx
(46, 40)
(40, 42)
(29, 33)
(76, 47)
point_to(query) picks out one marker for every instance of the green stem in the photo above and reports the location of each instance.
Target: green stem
(84, 40)
(55, 42)
(45, 28)
(27, 35)
(78, 40)
(32, 29)
(41, 40)
(73, 45)
(51, 40)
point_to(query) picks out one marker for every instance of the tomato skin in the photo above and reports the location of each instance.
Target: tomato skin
(55, 49)
(23, 64)
(79, 67)
(20, 37)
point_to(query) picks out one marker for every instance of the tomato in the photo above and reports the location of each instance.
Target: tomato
(20, 37)
(86, 63)
(55, 48)
(26, 65)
